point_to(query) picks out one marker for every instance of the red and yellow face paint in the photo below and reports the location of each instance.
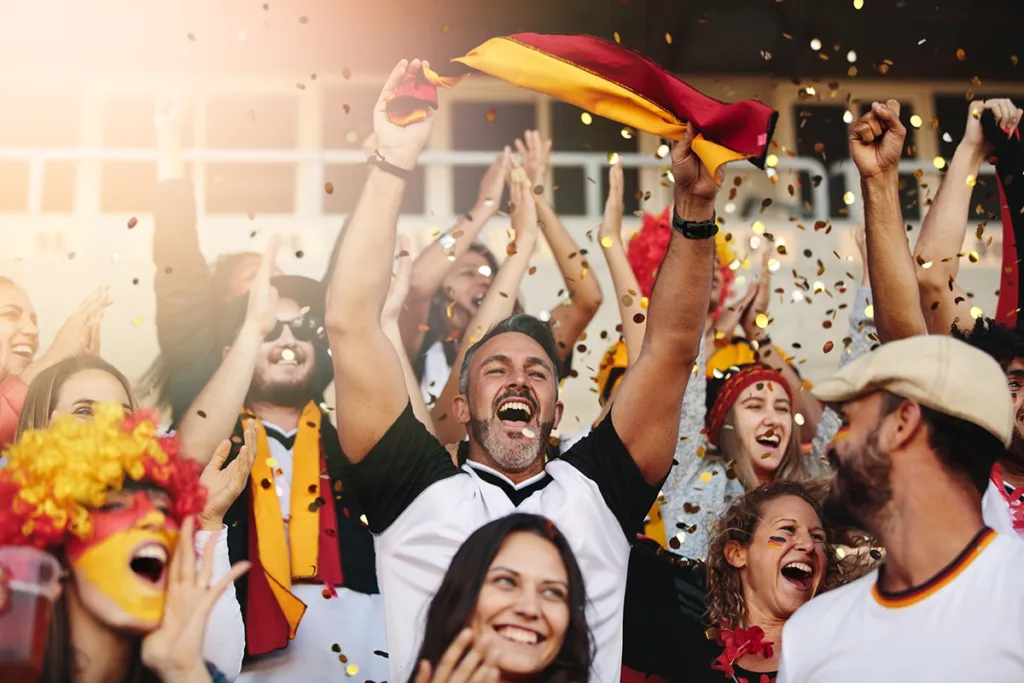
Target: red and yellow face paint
(121, 568)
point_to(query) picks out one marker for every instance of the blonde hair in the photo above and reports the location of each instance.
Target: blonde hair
(41, 398)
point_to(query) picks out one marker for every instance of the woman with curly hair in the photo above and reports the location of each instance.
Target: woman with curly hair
(770, 553)
(115, 504)
(510, 607)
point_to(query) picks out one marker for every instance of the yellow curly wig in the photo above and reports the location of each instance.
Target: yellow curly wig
(55, 476)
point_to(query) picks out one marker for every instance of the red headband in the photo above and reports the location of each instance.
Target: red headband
(734, 385)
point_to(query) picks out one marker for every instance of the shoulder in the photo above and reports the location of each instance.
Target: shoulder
(817, 616)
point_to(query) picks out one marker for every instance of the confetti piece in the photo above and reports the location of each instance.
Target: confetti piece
(849, 198)
(137, 321)
(939, 163)
(335, 648)
(607, 241)
(869, 311)
(491, 115)
(851, 56)
(705, 477)
(132, 222)
(613, 158)
(528, 433)
(617, 37)
(300, 254)
(445, 28)
(915, 121)
(639, 318)
(668, 38)
(192, 37)
(771, 161)
(858, 4)
(351, 137)
(828, 347)
(329, 188)
(346, 73)
(815, 44)
(288, 355)
(976, 312)
(586, 118)
(798, 418)
(971, 181)
(761, 320)
(271, 463)
(961, 55)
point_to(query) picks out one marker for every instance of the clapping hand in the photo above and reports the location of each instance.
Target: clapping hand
(535, 154)
(174, 651)
(223, 484)
(467, 660)
(261, 312)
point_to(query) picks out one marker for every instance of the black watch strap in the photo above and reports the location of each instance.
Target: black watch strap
(695, 230)
(383, 164)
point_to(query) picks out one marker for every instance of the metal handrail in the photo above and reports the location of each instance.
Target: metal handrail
(591, 163)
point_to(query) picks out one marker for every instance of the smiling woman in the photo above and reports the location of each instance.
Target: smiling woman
(513, 600)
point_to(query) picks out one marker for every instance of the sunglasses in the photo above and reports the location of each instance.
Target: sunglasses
(305, 328)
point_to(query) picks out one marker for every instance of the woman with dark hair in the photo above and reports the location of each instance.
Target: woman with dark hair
(114, 503)
(515, 593)
(770, 553)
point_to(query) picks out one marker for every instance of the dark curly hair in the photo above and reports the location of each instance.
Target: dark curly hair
(724, 589)
(1002, 342)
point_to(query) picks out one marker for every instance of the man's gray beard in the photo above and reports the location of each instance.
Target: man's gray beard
(506, 455)
(864, 488)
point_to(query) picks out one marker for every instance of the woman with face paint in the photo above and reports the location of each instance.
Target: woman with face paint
(74, 387)
(722, 621)
(115, 504)
(510, 607)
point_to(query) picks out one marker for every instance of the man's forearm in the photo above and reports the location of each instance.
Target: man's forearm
(891, 266)
(212, 416)
(362, 272)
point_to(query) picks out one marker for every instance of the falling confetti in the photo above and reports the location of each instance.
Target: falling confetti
(939, 163)
(761, 320)
(976, 312)
(586, 118)
(607, 241)
(858, 4)
(137, 321)
(528, 433)
(961, 55)
(668, 38)
(346, 73)
(288, 355)
(445, 28)
(329, 188)
(491, 115)
(303, 19)
(192, 37)
(828, 347)
(617, 37)
(705, 477)
(132, 222)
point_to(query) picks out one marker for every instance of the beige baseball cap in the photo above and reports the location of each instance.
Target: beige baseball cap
(937, 371)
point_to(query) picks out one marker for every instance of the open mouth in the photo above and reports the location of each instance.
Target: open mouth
(149, 563)
(515, 413)
(769, 439)
(26, 351)
(287, 357)
(519, 635)
(800, 574)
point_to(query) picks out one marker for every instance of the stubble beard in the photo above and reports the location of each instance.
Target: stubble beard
(510, 456)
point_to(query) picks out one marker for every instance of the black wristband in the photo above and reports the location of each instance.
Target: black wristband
(695, 230)
(383, 164)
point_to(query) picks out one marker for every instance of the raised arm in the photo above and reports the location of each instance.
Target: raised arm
(568, 320)
(498, 303)
(435, 262)
(945, 225)
(876, 145)
(212, 416)
(648, 405)
(369, 385)
(389, 323)
(627, 289)
(766, 353)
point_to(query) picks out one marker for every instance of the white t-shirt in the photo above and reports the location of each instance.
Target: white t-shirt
(352, 621)
(995, 510)
(421, 508)
(964, 625)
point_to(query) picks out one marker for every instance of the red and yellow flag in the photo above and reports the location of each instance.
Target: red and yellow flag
(608, 80)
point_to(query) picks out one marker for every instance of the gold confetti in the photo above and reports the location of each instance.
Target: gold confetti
(915, 121)
(798, 418)
(491, 115)
(329, 188)
(613, 157)
(1013, 59)
(961, 55)
(971, 181)
(644, 302)
(351, 137)
(271, 463)
(627, 300)
(445, 28)
(137, 321)
(939, 163)
(528, 433)
(705, 477)
(857, 4)
(668, 38)
(761, 320)
(771, 161)
(617, 37)
(851, 72)
(849, 198)
(627, 133)
(288, 355)
(132, 222)
(757, 227)
(973, 257)
(869, 311)
(976, 312)
(607, 241)
(352, 669)
(586, 118)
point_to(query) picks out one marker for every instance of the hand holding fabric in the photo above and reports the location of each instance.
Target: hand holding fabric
(695, 186)
(1007, 116)
(399, 144)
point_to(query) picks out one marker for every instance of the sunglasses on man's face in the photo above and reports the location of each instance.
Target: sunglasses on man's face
(304, 328)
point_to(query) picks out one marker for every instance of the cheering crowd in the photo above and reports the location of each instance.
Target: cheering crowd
(720, 519)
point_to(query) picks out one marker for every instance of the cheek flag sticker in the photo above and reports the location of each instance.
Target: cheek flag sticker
(776, 542)
(606, 79)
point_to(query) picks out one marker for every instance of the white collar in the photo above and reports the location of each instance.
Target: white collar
(521, 485)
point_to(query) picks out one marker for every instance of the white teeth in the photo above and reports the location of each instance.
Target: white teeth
(801, 566)
(518, 405)
(22, 349)
(154, 551)
(518, 635)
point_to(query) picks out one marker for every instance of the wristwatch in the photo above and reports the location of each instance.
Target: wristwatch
(376, 159)
(695, 230)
